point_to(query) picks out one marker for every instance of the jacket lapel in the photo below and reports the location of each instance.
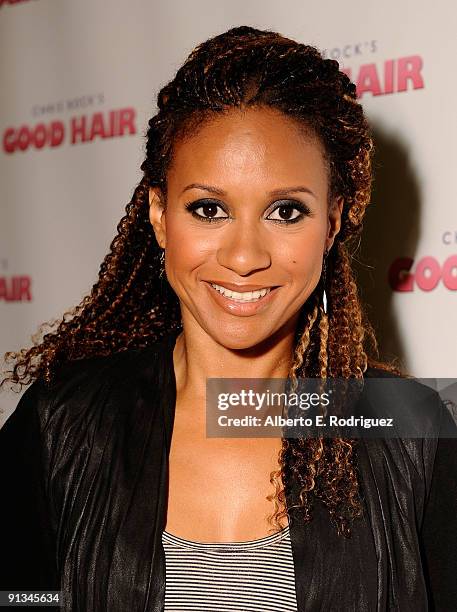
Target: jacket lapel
(323, 561)
(332, 573)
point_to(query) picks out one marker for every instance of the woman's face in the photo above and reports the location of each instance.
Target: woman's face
(246, 209)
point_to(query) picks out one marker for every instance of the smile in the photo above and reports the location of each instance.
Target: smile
(245, 296)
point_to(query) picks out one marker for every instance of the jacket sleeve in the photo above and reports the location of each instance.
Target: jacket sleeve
(27, 550)
(439, 526)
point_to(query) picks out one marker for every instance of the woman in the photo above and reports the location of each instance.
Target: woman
(233, 260)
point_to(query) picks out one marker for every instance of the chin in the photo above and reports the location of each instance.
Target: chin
(240, 337)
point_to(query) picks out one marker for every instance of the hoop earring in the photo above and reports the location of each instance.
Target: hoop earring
(324, 279)
(162, 263)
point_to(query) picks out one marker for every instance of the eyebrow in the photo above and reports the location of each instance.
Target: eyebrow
(282, 191)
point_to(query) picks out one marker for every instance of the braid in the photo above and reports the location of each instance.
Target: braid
(301, 348)
(323, 338)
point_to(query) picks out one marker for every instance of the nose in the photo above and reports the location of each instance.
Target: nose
(244, 249)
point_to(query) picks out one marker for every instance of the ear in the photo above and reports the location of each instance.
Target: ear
(157, 215)
(334, 220)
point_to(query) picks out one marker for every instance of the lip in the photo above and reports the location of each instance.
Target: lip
(241, 288)
(242, 309)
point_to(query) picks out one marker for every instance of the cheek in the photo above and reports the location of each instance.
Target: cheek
(185, 251)
(303, 255)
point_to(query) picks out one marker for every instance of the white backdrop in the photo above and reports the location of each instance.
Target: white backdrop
(79, 81)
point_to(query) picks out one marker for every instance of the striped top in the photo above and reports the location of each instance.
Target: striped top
(254, 576)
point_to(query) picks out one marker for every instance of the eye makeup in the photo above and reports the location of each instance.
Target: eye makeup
(284, 205)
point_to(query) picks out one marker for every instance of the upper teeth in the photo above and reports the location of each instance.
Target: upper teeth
(246, 296)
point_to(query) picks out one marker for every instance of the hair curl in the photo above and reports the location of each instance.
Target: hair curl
(130, 306)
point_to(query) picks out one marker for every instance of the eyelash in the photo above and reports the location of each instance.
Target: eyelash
(292, 204)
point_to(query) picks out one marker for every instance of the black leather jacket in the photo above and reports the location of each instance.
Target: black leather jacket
(84, 488)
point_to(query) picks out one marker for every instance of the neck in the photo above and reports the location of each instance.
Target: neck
(198, 356)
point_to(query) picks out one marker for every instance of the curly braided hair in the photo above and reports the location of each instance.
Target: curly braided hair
(130, 306)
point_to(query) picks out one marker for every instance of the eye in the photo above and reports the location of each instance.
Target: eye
(286, 209)
(209, 209)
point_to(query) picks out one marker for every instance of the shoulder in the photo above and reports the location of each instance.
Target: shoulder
(81, 386)
(423, 423)
(416, 407)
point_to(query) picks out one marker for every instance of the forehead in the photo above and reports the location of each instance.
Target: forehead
(255, 146)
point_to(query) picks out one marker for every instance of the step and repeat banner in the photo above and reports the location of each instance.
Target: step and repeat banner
(79, 83)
